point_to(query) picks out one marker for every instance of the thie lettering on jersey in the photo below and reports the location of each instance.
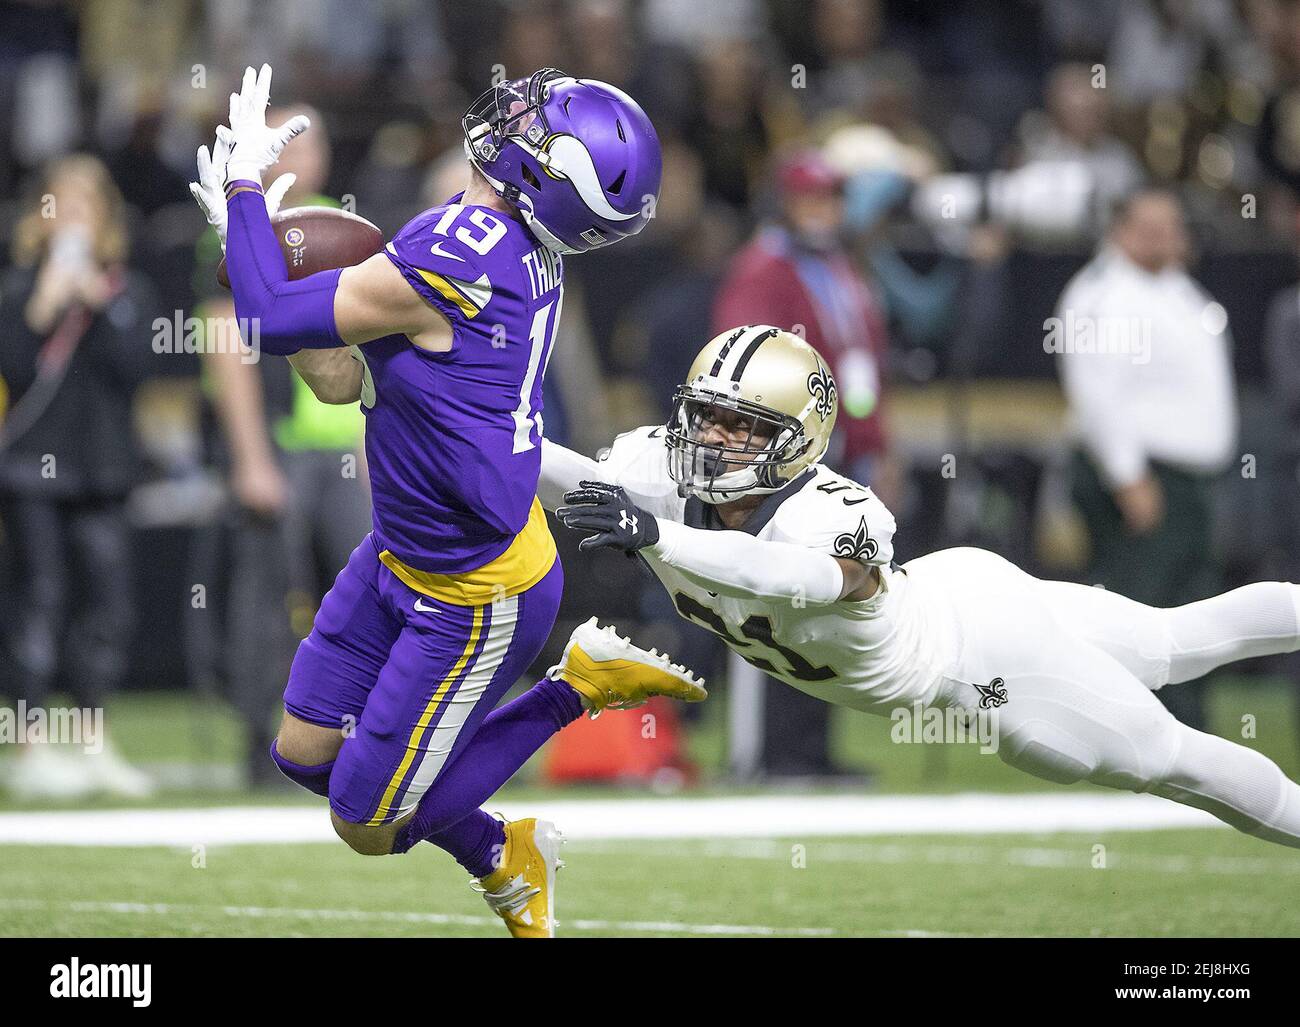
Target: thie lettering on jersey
(545, 270)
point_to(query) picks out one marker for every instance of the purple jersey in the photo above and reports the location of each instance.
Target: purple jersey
(452, 438)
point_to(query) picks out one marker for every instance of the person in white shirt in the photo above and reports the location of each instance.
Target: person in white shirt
(1075, 129)
(791, 565)
(1144, 357)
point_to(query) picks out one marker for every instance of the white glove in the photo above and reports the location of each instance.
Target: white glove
(209, 190)
(253, 146)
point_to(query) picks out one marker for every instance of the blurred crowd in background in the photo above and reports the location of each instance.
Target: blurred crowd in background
(910, 186)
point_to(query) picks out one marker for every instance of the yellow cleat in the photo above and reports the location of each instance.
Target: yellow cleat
(521, 891)
(609, 672)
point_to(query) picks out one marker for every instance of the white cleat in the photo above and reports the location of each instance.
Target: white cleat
(609, 672)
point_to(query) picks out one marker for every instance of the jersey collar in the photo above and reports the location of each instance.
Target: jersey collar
(699, 514)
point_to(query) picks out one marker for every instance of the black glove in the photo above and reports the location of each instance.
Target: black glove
(607, 511)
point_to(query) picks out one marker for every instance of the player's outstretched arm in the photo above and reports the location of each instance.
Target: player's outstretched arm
(729, 563)
(323, 311)
(562, 471)
(374, 300)
(738, 564)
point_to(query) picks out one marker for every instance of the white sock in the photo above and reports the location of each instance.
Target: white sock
(1238, 785)
(1254, 620)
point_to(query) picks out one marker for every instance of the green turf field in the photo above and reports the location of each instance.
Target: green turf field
(1172, 882)
(1175, 883)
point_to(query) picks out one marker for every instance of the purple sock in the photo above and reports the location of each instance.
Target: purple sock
(476, 842)
(448, 814)
(314, 779)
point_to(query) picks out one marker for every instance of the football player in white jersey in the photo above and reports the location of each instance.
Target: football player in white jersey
(791, 565)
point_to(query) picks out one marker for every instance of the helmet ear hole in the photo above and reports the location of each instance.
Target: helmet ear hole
(529, 177)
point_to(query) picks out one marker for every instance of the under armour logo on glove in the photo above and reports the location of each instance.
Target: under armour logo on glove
(610, 516)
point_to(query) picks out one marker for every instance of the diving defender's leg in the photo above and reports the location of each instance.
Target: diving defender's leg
(1184, 642)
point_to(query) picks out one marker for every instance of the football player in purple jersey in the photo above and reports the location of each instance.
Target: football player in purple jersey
(444, 337)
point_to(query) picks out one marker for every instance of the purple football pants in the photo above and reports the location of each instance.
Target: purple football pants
(410, 680)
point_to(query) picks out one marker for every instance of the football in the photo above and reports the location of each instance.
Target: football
(319, 239)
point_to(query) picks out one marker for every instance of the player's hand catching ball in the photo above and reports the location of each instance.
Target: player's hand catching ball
(605, 510)
(254, 146)
(210, 190)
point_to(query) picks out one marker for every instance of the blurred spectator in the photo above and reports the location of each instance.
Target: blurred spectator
(846, 34)
(1076, 129)
(864, 81)
(1080, 30)
(732, 130)
(75, 345)
(796, 274)
(1282, 361)
(699, 27)
(1159, 46)
(297, 486)
(532, 37)
(603, 35)
(1146, 365)
(1278, 139)
(148, 182)
(880, 172)
(659, 335)
(39, 115)
(391, 182)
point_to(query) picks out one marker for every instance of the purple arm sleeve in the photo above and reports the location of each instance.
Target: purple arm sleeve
(283, 316)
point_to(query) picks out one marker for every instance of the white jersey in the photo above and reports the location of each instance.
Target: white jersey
(888, 649)
(1062, 673)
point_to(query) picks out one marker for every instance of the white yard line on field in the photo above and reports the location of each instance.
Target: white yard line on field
(171, 909)
(1080, 857)
(714, 818)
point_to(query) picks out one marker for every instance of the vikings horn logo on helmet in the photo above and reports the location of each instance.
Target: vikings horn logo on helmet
(578, 158)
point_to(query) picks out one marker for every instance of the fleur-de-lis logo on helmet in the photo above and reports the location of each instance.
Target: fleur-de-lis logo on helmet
(821, 386)
(858, 545)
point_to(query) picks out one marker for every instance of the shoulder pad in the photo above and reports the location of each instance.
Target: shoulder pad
(836, 515)
(444, 253)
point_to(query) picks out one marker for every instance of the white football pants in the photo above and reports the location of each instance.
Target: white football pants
(1079, 666)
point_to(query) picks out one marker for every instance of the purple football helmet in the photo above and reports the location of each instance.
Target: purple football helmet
(579, 158)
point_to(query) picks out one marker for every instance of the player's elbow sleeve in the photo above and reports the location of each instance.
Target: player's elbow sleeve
(283, 317)
(801, 576)
(734, 563)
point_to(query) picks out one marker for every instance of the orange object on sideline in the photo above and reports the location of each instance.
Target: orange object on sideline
(641, 745)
